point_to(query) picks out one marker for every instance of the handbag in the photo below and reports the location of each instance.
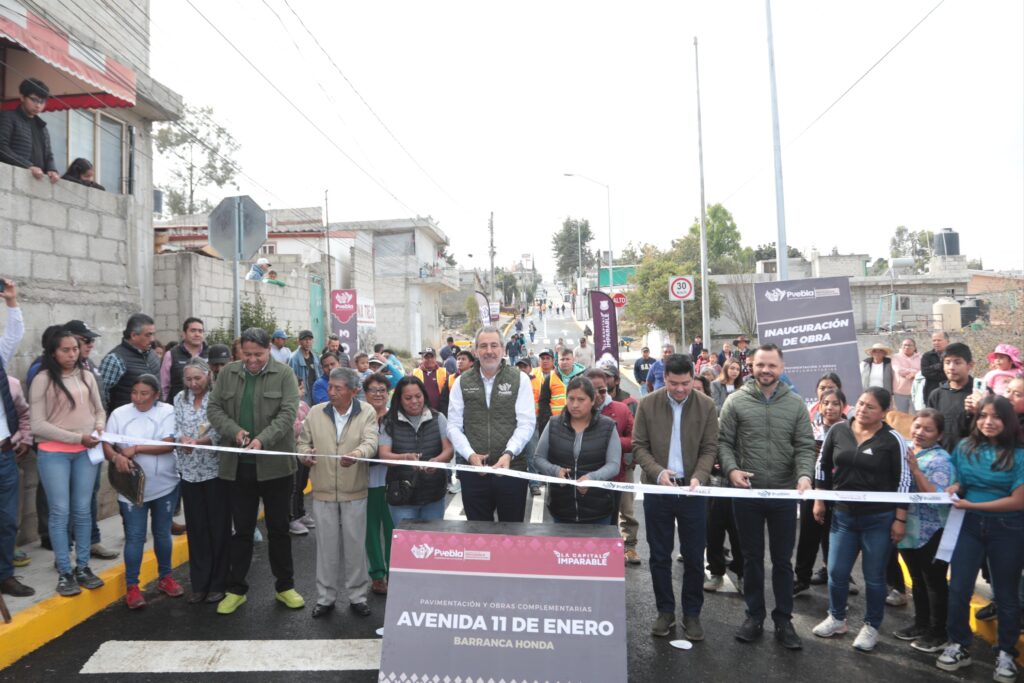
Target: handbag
(130, 484)
(400, 491)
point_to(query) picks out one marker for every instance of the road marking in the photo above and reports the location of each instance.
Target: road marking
(537, 507)
(222, 656)
(453, 511)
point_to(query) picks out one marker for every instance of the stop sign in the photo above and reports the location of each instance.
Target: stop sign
(619, 298)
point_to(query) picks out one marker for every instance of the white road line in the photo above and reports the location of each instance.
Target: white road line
(537, 507)
(221, 656)
(453, 511)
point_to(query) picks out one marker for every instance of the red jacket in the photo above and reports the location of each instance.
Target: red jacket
(623, 418)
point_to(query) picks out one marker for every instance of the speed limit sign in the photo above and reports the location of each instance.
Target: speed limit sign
(680, 288)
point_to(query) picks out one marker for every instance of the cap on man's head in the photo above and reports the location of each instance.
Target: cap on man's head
(546, 352)
(279, 334)
(427, 352)
(80, 329)
(374, 360)
(645, 349)
(524, 361)
(263, 261)
(34, 86)
(305, 334)
(218, 353)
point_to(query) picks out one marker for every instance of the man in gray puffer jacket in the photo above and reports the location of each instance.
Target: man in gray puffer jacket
(765, 440)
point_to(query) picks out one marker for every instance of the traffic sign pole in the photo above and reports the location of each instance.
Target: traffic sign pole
(682, 325)
(236, 256)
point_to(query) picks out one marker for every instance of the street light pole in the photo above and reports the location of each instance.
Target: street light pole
(705, 302)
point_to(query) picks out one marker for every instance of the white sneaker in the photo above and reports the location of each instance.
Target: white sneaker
(454, 487)
(953, 657)
(297, 528)
(895, 598)
(713, 582)
(1006, 668)
(866, 639)
(308, 522)
(830, 627)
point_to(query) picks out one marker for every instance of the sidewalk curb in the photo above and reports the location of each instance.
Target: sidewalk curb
(34, 627)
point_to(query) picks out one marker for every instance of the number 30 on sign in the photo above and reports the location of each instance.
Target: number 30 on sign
(680, 288)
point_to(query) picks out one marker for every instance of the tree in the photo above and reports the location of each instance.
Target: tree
(650, 305)
(912, 244)
(566, 245)
(767, 252)
(199, 154)
(879, 266)
(725, 253)
(974, 264)
(738, 303)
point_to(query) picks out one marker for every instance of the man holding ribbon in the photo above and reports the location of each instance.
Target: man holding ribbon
(765, 441)
(490, 421)
(675, 440)
(253, 407)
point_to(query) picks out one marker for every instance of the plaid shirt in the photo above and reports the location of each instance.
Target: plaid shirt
(111, 370)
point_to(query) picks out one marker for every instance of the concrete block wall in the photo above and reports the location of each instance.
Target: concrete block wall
(191, 284)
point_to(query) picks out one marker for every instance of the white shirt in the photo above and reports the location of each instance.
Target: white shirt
(526, 419)
(13, 333)
(156, 423)
(341, 419)
(876, 377)
(675, 447)
(281, 355)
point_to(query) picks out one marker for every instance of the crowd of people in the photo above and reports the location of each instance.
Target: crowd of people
(348, 427)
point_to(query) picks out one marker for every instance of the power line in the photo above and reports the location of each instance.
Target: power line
(841, 96)
(298, 109)
(367, 104)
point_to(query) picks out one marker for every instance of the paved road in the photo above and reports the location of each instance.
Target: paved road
(297, 649)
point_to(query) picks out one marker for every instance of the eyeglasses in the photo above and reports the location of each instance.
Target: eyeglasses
(37, 100)
(602, 391)
(376, 391)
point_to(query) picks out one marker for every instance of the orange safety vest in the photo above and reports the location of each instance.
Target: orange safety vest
(536, 380)
(557, 387)
(441, 376)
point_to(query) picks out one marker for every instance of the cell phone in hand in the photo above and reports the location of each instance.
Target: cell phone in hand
(3, 284)
(979, 386)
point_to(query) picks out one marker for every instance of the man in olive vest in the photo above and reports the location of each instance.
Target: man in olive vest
(490, 422)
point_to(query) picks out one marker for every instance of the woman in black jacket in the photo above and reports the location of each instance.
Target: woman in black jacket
(412, 431)
(581, 445)
(864, 454)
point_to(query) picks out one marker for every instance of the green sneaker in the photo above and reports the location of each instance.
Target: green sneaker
(230, 603)
(291, 599)
(21, 558)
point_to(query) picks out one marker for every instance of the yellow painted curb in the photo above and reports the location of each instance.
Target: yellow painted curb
(34, 627)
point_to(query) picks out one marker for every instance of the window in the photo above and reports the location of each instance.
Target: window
(902, 303)
(57, 126)
(111, 163)
(82, 138)
(268, 249)
(101, 139)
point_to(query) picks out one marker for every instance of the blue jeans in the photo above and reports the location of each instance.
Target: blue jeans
(433, 510)
(850, 535)
(752, 516)
(8, 513)
(68, 479)
(662, 514)
(643, 388)
(135, 517)
(1001, 538)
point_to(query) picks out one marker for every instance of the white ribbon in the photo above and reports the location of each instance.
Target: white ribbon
(938, 498)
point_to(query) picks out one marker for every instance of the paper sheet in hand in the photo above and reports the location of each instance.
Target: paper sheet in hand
(96, 452)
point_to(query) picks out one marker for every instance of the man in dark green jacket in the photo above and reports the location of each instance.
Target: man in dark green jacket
(765, 441)
(253, 406)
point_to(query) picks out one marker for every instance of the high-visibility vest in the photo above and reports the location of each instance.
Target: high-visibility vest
(557, 387)
(441, 377)
(536, 380)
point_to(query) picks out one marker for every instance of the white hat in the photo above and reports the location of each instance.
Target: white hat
(263, 261)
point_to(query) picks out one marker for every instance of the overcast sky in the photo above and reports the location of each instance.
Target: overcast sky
(497, 101)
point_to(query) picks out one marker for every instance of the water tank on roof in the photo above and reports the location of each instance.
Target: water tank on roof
(946, 314)
(946, 243)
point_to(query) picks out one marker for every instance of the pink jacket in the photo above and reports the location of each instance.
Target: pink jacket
(24, 435)
(904, 368)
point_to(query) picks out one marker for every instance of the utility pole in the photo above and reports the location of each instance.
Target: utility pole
(781, 249)
(705, 302)
(327, 238)
(490, 229)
